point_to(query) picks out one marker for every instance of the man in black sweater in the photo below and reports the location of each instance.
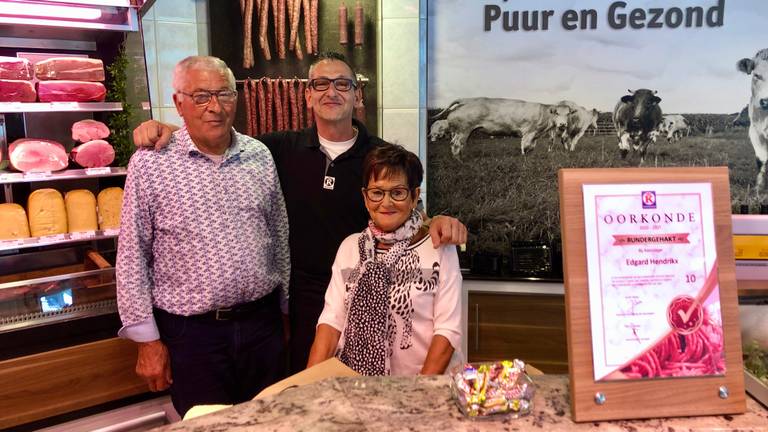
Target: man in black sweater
(320, 170)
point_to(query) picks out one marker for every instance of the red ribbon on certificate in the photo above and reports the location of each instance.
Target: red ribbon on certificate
(635, 239)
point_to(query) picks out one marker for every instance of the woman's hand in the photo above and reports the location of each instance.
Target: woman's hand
(324, 346)
(447, 230)
(438, 356)
(152, 133)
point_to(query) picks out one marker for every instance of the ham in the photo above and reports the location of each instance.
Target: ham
(17, 91)
(15, 68)
(36, 155)
(93, 154)
(70, 68)
(88, 130)
(71, 91)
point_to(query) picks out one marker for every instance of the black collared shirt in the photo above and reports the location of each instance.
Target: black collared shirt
(320, 217)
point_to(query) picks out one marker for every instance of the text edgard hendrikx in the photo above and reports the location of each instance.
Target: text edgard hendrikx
(618, 17)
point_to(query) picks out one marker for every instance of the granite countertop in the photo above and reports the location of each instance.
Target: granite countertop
(424, 404)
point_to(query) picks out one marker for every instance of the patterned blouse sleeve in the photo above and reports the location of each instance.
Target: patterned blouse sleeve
(447, 307)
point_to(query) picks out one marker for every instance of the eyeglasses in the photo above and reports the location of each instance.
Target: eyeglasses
(203, 97)
(340, 84)
(396, 194)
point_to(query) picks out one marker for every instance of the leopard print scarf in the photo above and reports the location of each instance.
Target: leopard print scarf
(366, 345)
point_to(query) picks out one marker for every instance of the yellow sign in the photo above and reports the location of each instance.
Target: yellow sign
(750, 247)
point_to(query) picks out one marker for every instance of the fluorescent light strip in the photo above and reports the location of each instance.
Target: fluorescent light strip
(46, 11)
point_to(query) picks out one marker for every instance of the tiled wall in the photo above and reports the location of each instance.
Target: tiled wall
(399, 69)
(173, 29)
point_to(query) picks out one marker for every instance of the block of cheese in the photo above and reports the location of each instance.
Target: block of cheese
(81, 210)
(47, 214)
(110, 200)
(13, 222)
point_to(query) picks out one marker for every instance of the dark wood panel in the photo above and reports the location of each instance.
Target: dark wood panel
(528, 327)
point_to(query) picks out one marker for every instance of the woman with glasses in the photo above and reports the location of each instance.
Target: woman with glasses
(393, 306)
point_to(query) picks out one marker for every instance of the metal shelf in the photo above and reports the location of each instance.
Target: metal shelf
(31, 242)
(29, 107)
(14, 177)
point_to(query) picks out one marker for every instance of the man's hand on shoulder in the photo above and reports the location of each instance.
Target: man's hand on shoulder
(447, 230)
(152, 133)
(154, 365)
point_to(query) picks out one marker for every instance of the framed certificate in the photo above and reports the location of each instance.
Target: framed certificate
(650, 293)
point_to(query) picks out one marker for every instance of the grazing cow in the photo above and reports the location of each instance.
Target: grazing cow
(758, 111)
(438, 130)
(742, 118)
(502, 117)
(579, 121)
(674, 126)
(636, 115)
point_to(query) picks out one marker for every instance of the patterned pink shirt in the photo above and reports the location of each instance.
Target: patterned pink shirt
(196, 235)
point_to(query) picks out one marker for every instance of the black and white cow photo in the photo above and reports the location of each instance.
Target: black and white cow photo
(507, 110)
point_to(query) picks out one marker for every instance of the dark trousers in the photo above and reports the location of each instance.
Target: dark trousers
(305, 303)
(223, 362)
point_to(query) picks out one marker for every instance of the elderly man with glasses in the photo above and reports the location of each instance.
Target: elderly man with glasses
(203, 264)
(320, 170)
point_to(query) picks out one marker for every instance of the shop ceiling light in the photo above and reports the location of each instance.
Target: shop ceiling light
(38, 10)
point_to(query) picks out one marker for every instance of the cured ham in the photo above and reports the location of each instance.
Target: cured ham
(93, 154)
(17, 91)
(70, 68)
(88, 130)
(37, 155)
(15, 68)
(71, 91)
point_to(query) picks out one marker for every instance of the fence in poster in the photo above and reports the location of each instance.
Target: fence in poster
(519, 89)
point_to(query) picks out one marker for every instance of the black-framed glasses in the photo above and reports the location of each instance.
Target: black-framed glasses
(396, 194)
(203, 97)
(340, 84)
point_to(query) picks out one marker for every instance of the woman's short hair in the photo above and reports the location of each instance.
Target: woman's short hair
(387, 159)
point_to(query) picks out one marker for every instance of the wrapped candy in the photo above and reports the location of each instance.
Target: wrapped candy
(485, 389)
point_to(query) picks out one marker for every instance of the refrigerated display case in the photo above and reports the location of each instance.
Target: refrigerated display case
(58, 312)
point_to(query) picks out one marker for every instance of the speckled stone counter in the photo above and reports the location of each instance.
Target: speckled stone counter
(425, 404)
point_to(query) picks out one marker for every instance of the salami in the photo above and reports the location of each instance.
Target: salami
(263, 20)
(359, 23)
(286, 104)
(248, 60)
(263, 113)
(343, 36)
(281, 29)
(300, 103)
(294, 105)
(278, 98)
(295, 13)
(248, 108)
(254, 107)
(270, 103)
(307, 25)
(313, 6)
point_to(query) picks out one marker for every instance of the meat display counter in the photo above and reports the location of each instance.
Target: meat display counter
(58, 308)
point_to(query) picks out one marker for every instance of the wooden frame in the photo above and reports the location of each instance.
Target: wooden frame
(650, 398)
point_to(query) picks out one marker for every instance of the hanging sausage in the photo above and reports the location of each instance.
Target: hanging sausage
(359, 24)
(343, 37)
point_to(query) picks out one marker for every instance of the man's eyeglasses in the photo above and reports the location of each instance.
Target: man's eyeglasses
(396, 194)
(203, 97)
(340, 84)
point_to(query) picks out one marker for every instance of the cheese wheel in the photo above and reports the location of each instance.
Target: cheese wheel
(13, 222)
(81, 210)
(47, 214)
(110, 200)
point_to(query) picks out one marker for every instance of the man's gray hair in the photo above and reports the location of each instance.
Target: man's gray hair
(200, 62)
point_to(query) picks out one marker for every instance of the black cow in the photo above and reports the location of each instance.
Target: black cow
(636, 115)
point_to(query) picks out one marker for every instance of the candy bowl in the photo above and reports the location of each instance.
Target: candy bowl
(487, 390)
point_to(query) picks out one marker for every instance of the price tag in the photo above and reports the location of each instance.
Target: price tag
(54, 238)
(65, 106)
(37, 175)
(98, 171)
(9, 176)
(82, 235)
(11, 107)
(112, 232)
(11, 244)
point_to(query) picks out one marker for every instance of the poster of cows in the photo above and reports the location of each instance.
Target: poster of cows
(518, 89)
